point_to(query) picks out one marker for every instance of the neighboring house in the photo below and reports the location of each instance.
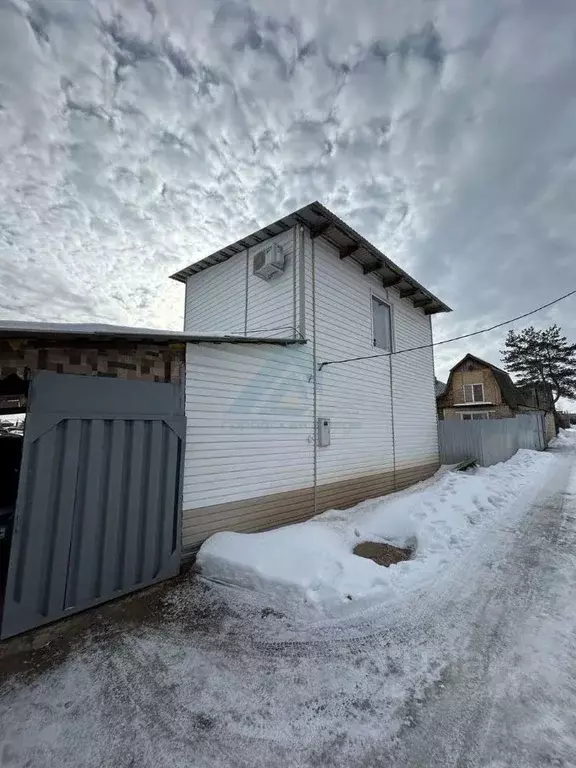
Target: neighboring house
(274, 437)
(439, 387)
(539, 397)
(479, 390)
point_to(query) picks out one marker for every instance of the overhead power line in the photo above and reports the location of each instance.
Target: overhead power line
(447, 341)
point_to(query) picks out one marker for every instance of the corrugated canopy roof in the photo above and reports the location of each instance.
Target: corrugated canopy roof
(323, 223)
(100, 331)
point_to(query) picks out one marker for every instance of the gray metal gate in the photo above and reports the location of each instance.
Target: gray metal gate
(99, 502)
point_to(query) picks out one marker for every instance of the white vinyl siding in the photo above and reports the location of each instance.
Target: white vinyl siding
(216, 299)
(249, 423)
(250, 418)
(415, 417)
(356, 395)
(229, 299)
(271, 305)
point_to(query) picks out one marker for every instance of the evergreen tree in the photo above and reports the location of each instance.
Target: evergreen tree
(542, 356)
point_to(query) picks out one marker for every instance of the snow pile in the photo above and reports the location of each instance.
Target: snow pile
(312, 563)
(566, 439)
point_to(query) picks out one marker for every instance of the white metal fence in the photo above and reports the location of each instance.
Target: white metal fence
(490, 440)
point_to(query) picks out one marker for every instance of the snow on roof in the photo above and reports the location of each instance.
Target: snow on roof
(32, 327)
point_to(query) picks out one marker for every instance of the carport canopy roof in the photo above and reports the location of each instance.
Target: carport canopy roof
(11, 329)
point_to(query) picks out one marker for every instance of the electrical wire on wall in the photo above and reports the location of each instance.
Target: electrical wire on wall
(447, 341)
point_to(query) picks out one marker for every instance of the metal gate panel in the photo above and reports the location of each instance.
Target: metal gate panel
(99, 503)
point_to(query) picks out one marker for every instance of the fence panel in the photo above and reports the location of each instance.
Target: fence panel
(490, 441)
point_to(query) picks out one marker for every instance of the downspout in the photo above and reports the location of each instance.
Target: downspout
(436, 414)
(294, 278)
(301, 283)
(246, 292)
(315, 374)
(393, 421)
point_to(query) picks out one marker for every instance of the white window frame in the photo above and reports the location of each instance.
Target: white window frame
(378, 297)
(477, 384)
(485, 415)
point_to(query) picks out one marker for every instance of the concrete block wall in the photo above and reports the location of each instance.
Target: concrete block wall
(123, 360)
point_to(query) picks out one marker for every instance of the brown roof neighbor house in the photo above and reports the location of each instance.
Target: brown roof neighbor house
(478, 390)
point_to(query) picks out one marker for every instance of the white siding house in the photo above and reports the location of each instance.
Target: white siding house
(254, 455)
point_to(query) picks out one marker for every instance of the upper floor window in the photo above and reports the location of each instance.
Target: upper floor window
(473, 393)
(381, 324)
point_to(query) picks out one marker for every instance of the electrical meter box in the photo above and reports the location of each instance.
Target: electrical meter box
(323, 432)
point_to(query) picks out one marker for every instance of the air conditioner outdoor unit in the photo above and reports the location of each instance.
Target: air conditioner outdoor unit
(268, 261)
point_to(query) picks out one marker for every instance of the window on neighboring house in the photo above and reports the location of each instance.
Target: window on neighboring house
(475, 416)
(382, 324)
(473, 393)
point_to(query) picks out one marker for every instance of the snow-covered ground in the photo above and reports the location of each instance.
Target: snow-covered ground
(476, 669)
(312, 564)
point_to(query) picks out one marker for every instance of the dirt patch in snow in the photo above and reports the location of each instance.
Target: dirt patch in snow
(171, 602)
(382, 554)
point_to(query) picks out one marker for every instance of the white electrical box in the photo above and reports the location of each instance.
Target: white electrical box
(268, 262)
(323, 432)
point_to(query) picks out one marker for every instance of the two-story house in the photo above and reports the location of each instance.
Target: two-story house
(295, 402)
(478, 390)
(278, 432)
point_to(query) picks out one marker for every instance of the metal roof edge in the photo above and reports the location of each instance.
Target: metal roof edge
(183, 274)
(176, 338)
(378, 253)
(316, 209)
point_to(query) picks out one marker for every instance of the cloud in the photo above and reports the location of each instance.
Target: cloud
(137, 136)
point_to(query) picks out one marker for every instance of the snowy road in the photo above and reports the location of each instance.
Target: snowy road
(479, 670)
(509, 698)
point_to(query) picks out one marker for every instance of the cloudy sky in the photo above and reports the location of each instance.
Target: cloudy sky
(138, 135)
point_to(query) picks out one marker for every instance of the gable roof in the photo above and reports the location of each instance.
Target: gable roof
(511, 395)
(322, 222)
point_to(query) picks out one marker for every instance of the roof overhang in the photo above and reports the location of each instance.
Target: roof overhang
(321, 222)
